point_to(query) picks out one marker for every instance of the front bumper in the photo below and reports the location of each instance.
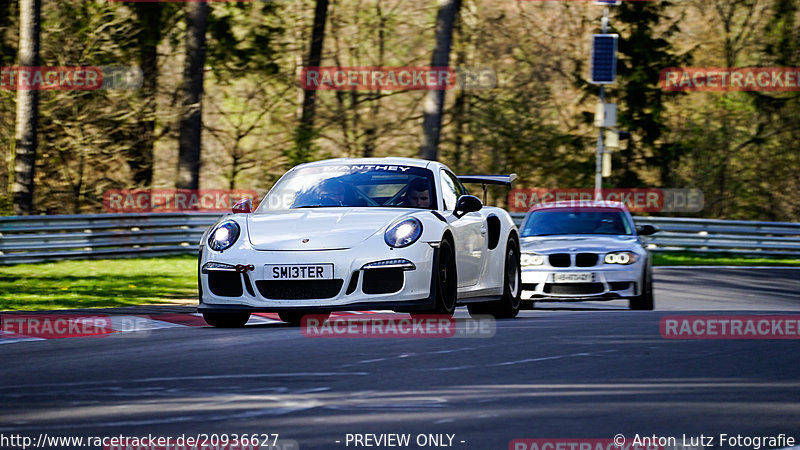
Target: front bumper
(608, 283)
(345, 292)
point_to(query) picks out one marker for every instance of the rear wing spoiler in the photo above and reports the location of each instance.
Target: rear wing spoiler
(501, 180)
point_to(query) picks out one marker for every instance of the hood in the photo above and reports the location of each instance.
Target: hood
(580, 243)
(325, 228)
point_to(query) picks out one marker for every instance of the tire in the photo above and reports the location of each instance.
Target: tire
(226, 320)
(445, 283)
(446, 280)
(644, 302)
(508, 305)
(295, 317)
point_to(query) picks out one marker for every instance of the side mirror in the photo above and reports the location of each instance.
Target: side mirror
(646, 230)
(467, 204)
(243, 206)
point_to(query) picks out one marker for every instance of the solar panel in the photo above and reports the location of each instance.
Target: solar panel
(604, 58)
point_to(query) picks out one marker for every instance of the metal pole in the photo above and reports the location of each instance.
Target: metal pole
(598, 174)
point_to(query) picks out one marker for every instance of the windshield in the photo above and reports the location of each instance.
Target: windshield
(553, 222)
(353, 185)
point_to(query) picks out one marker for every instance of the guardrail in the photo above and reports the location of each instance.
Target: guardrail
(42, 238)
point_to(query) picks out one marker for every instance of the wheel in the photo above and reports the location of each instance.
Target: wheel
(445, 283)
(644, 302)
(226, 320)
(508, 305)
(295, 317)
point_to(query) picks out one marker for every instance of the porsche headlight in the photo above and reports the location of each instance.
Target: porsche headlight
(620, 258)
(531, 259)
(223, 236)
(403, 233)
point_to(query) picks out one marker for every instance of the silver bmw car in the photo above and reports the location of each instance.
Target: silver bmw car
(576, 251)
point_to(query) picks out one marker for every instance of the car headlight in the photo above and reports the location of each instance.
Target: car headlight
(223, 236)
(403, 233)
(620, 258)
(531, 259)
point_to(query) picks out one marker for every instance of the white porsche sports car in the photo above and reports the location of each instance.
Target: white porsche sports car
(585, 251)
(352, 234)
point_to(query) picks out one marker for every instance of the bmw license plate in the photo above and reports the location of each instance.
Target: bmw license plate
(299, 272)
(573, 277)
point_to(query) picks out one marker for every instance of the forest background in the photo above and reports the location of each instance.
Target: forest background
(740, 148)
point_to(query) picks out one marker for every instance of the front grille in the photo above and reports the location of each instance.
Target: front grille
(586, 259)
(225, 284)
(619, 285)
(382, 281)
(299, 289)
(559, 260)
(573, 288)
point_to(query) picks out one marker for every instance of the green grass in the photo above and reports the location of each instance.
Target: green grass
(97, 283)
(702, 259)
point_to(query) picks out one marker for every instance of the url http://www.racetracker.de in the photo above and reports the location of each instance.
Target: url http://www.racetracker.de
(200, 441)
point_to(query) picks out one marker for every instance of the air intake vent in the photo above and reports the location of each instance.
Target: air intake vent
(299, 289)
(382, 281)
(351, 287)
(573, 288)
(225, 284)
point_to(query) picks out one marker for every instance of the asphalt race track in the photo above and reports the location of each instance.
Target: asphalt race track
(562, 370)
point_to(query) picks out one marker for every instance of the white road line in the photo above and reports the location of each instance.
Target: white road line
(547, 358)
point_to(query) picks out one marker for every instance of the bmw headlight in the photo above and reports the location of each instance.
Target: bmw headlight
(531, 259)
(620, 258)
(223, 236)
(403, 233)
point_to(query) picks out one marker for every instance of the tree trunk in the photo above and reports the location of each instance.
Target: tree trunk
(434, 100)
(140, 155)
(26, 139)
(305, 131)
(191, 125)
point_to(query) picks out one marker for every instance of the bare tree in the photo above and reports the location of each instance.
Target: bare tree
(140, 153)
(26, 139)
(305, 130)
(434, 101)
(191, 122)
